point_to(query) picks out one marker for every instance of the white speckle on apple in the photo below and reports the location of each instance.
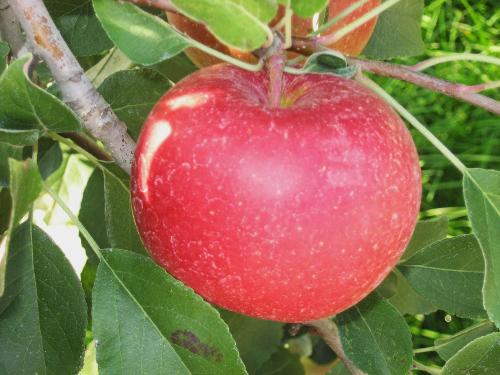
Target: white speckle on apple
(188, 101)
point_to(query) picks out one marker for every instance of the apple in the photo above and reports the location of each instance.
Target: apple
(352, 44)
(289, 213)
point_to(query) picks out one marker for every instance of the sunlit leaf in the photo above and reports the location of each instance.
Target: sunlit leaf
(144, 38)
(239, 23)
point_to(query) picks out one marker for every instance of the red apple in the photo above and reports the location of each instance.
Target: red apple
(352, 44)
(292, 213)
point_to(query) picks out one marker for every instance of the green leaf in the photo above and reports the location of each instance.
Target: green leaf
(256, 339)
(5, 209)
(25, 186)
(42, 313)
(426, 232)
(92, 216)
(4, 52)
(396, 287)
(114, 61)
(449, 273)
(375, 337)
(480, 357)
(120, 224)
(398, 32)
(282, 362)
(144, 38)
(448, 347)
(132, 94)
(407, 300)
(308, 8)
(7, 151)
(26, 107)
(79, 26)
(49, 157)
(176, 68)
(166, 325)
(482, 198)
(242, 24)
(327, 62)
(389, 286)
(19, 137)
(89, 362)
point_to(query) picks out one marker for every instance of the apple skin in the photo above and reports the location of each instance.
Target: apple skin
(290, 214)
(352, 44)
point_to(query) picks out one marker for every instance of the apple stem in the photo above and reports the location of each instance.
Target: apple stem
(274, 67)
(275, 61)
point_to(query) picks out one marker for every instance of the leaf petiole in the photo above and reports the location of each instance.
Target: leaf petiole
(93, 244)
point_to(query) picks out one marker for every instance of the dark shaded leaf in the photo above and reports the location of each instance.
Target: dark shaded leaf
(120, 224)
(398, 33)
(282, 362)
(49, 157)
(375, 337)
(426, 232)
(449, 273)
(4, 52)
(256, 339)
(176, 68)
(132, 94)
(42, 313)
(79, 26)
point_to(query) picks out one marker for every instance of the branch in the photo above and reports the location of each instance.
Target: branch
(88, 145)
(330, 333)
(456, 90)
(77, 90)
(10, 31)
